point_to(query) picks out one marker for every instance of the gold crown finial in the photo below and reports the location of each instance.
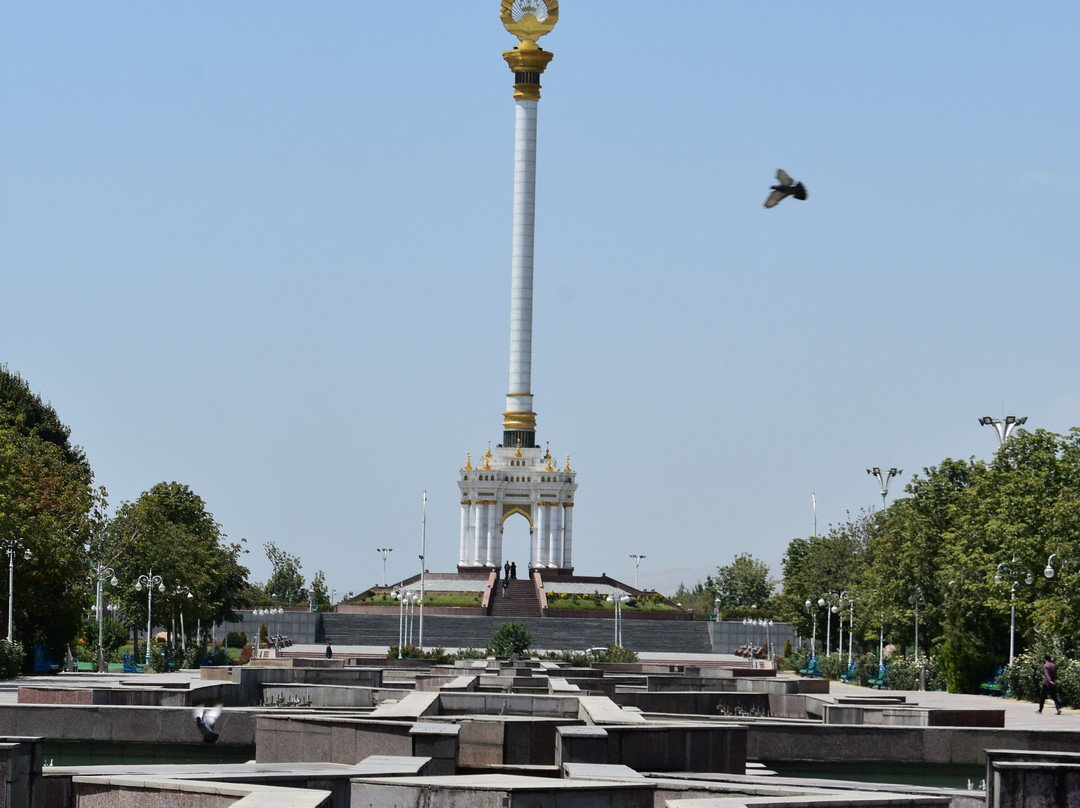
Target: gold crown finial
(468, 461)
(487, 458)
(529, 20)
(567, 463)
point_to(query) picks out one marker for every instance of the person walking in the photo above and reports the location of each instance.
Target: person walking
(329, 650)
(1049, 684)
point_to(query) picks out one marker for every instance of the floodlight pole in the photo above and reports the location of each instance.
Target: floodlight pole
(637, 562)
(1003, 426)
(884, 478)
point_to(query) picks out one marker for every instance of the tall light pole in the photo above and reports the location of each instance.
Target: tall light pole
(13, 544)
(829, 612)
(637, 562)
(385, 552)
(916, 599)
(1016, 574)
(813, 635)
(883, 478)
(102, 573)
(423, 563)
(1003, 426)
(149, 581)
(618, 597)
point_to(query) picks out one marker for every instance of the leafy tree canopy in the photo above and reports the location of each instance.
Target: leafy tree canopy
(167, 533)
(47, 505)
(286, 583)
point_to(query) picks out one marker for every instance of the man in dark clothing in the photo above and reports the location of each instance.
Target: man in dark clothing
(513, 571)
(329, 650)
(1049, 685)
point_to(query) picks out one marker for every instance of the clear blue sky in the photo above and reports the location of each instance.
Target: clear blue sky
(263, 249)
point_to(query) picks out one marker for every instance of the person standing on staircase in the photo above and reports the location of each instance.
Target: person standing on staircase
(513, 571)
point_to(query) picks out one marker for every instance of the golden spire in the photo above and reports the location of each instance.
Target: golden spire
(468, 461)
(528, 20)
(487, 458)
(567, 463)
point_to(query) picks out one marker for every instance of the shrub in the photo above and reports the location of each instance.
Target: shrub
(796, 658)
(1023, 677)
(832, 666)
(1068, 682)
(511, 638)
(617, 653)
(12, 655)
(236, 639)
(264, 636)
(866, 665)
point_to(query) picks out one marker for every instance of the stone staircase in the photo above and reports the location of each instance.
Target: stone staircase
(548, 633)
(520, 601)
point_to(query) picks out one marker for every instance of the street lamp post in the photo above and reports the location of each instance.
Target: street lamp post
(1003, 426)
(884, 478)
(13, 544)
(637, 562)
(829, 612)
(149, 581)
(618, 597)
(385, 552)
(1016, 575)
(916, 599)
(102, 573)
(813, 634)
(423, 563)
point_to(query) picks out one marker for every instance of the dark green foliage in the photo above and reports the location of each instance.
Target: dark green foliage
(12, 656)
(264, 636)
(511, 638)
(236, 639)
(1024, 676)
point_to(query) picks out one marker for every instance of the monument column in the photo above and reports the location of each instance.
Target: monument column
(528, 20)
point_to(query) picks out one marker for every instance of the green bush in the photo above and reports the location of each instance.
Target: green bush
(617, 653)
(796, 658)
(236, 639)
(832, 666)
(904, 673)
(511, 638)
(866, 665)
(1023, 677)
(1068, 679)
(12, 656)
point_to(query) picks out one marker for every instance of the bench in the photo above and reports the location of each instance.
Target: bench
(131, 666)
(993, 685)
(88, 667)
(880, 680)
(42, 661)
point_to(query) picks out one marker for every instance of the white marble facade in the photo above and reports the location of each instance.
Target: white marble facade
(514, 483)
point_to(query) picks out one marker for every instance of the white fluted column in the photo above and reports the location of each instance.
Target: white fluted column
(489, 543)
(463, 552)
(556, 535)
(541, 532)
(568, 534)
(477, 532)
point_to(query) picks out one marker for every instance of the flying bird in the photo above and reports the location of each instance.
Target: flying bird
(205, 717)
(786, 187)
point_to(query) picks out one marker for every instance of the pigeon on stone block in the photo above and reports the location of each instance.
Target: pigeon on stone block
(786, 187)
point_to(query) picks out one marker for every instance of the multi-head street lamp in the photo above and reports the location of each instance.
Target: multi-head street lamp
(884, 478)
(1003, 426)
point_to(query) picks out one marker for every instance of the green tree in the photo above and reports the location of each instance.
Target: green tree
(700, 599)
(319, 593)
(286, 583)
(744, 582)
(168, 533)
(511, 638)
(46, 502)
